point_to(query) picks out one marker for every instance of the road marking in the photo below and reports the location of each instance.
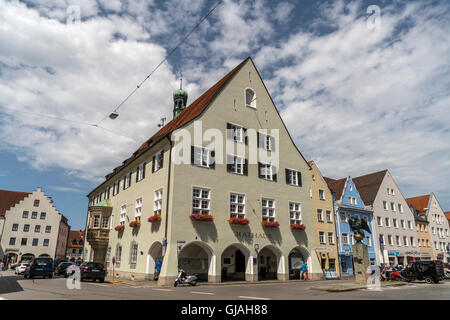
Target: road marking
(255, 298)
(210, 293)
(162, 289)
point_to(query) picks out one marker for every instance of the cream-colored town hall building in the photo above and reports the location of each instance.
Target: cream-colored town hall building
(203, 216)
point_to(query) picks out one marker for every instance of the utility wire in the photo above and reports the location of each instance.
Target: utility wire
(73, 121)
(164, 60)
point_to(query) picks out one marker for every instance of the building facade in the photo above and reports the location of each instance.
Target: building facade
(348, 203)
(393, 222)
(32, 227)
(424, 239)
(427, 206)
(323, 222)
(238, 220)
(75, 245)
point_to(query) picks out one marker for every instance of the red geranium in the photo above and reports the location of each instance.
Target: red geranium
(237, 220)
(135, 224)
(120, 227)
(271, 224)
(154, 218)
(201, 217)
(298, 226)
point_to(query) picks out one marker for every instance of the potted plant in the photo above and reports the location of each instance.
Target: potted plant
(238, 220)
(270, 224)
(135, 223)
(196, 216)
(120, 227)
(154, 218)
(298, 226)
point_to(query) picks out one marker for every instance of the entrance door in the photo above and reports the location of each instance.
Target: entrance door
(240, 261)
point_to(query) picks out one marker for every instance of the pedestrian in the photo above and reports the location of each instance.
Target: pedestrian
(158, 266)
(304, 271)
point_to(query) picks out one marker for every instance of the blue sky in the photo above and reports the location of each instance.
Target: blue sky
(355, 99)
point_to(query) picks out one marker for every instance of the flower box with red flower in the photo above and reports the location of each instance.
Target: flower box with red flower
(298, 226)
(270, 224)
(201, 217)
(238, 220)
(120, 227)
(155, 218)
(134, 224)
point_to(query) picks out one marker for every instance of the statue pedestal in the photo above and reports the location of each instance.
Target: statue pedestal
(360, 262)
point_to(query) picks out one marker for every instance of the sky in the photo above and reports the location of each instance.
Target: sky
(359, 90)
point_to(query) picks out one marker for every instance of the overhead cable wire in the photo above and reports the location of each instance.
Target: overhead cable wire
(164, 60)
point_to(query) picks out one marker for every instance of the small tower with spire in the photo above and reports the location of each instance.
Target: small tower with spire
(179, 99)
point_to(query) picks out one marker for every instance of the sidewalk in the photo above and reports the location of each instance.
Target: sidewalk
(341, 287)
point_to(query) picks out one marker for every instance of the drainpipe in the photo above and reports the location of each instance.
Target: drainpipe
(167, 198)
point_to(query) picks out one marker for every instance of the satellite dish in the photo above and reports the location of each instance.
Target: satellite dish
(113, 115)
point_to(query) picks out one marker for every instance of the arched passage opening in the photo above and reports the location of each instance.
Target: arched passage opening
(235, 263)
(154, 253)
(197, 258)
(27, 257)
(297, 257)
(44, 255)
(269, 263)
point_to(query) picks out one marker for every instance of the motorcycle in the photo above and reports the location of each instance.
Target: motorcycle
(183, 278)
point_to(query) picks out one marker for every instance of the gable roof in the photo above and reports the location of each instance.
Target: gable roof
(447, 215)
(189, 114)
(368, 185)
(9, 199)
(336, 186)
(75, 235)
(419, 203)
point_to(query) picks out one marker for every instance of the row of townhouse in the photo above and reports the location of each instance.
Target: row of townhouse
(31, 226)
(249, 208)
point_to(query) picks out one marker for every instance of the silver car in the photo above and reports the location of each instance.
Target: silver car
(20, 269)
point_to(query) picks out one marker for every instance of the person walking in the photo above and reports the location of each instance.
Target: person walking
(158, 266)
(304, 271)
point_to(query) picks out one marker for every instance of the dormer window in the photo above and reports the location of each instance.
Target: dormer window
(250, 98)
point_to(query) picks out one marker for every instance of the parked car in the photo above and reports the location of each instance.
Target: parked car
(61, 268)
(21, 268)
(92, 270)
(430, 271)
(446, 270)
(39, 267)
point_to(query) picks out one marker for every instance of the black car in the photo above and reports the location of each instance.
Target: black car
(61, 268)
(92, 270)
(39, 267)
(430, 271)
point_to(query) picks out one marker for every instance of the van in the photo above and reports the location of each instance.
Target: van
(39, 267)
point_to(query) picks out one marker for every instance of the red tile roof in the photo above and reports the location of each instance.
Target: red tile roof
(447, 214)
(9, 199)
(77, 235)
(419, 203)
(368, 185)
(336, 186)
(187, 115)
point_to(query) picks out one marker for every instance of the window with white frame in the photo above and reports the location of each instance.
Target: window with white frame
(267, 171)
(328, 214)
(46, 242)
(393, 206)
(390, 240)
(393, 192)
(96, 221)
(387, 222)
(138, 209)
(354, 201)
(105, 220)
(134, 251)
(127, 181)
(236, 133)
(320, 215)
(405, 241)
(321, 194)
(400, 208)
(157, 201)
(368, 241)
(237, 205)
(379, 221)
(268, 209)
(250, 98)
(43, 215)
(26, 227)
(397, 240)
(118, 254)
(343, 217)
(202, 157)
(34, 215)
(385, 206)
(293, 177)
(409, 225)
(322, 237)
(48, 229)
(345, 238)
(123, 213)
(382, 238)
(140, 172)
(25, 215)
(295, 213)
(15, 227)
(330, 238)
(388, 191)
(394, 221)
(158, 161)
(201, 200)
(236, 164)
(266, 142)
(402, 224)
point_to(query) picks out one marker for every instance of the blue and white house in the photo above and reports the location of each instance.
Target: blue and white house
(347, 203)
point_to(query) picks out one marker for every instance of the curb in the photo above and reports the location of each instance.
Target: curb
(343, 289)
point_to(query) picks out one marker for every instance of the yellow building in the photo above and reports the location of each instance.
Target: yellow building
(323, 221)
(424, 239)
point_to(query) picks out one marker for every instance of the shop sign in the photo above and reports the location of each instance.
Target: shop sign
(393, 253)
(11, 250)
(425, 254)
(412, 252)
